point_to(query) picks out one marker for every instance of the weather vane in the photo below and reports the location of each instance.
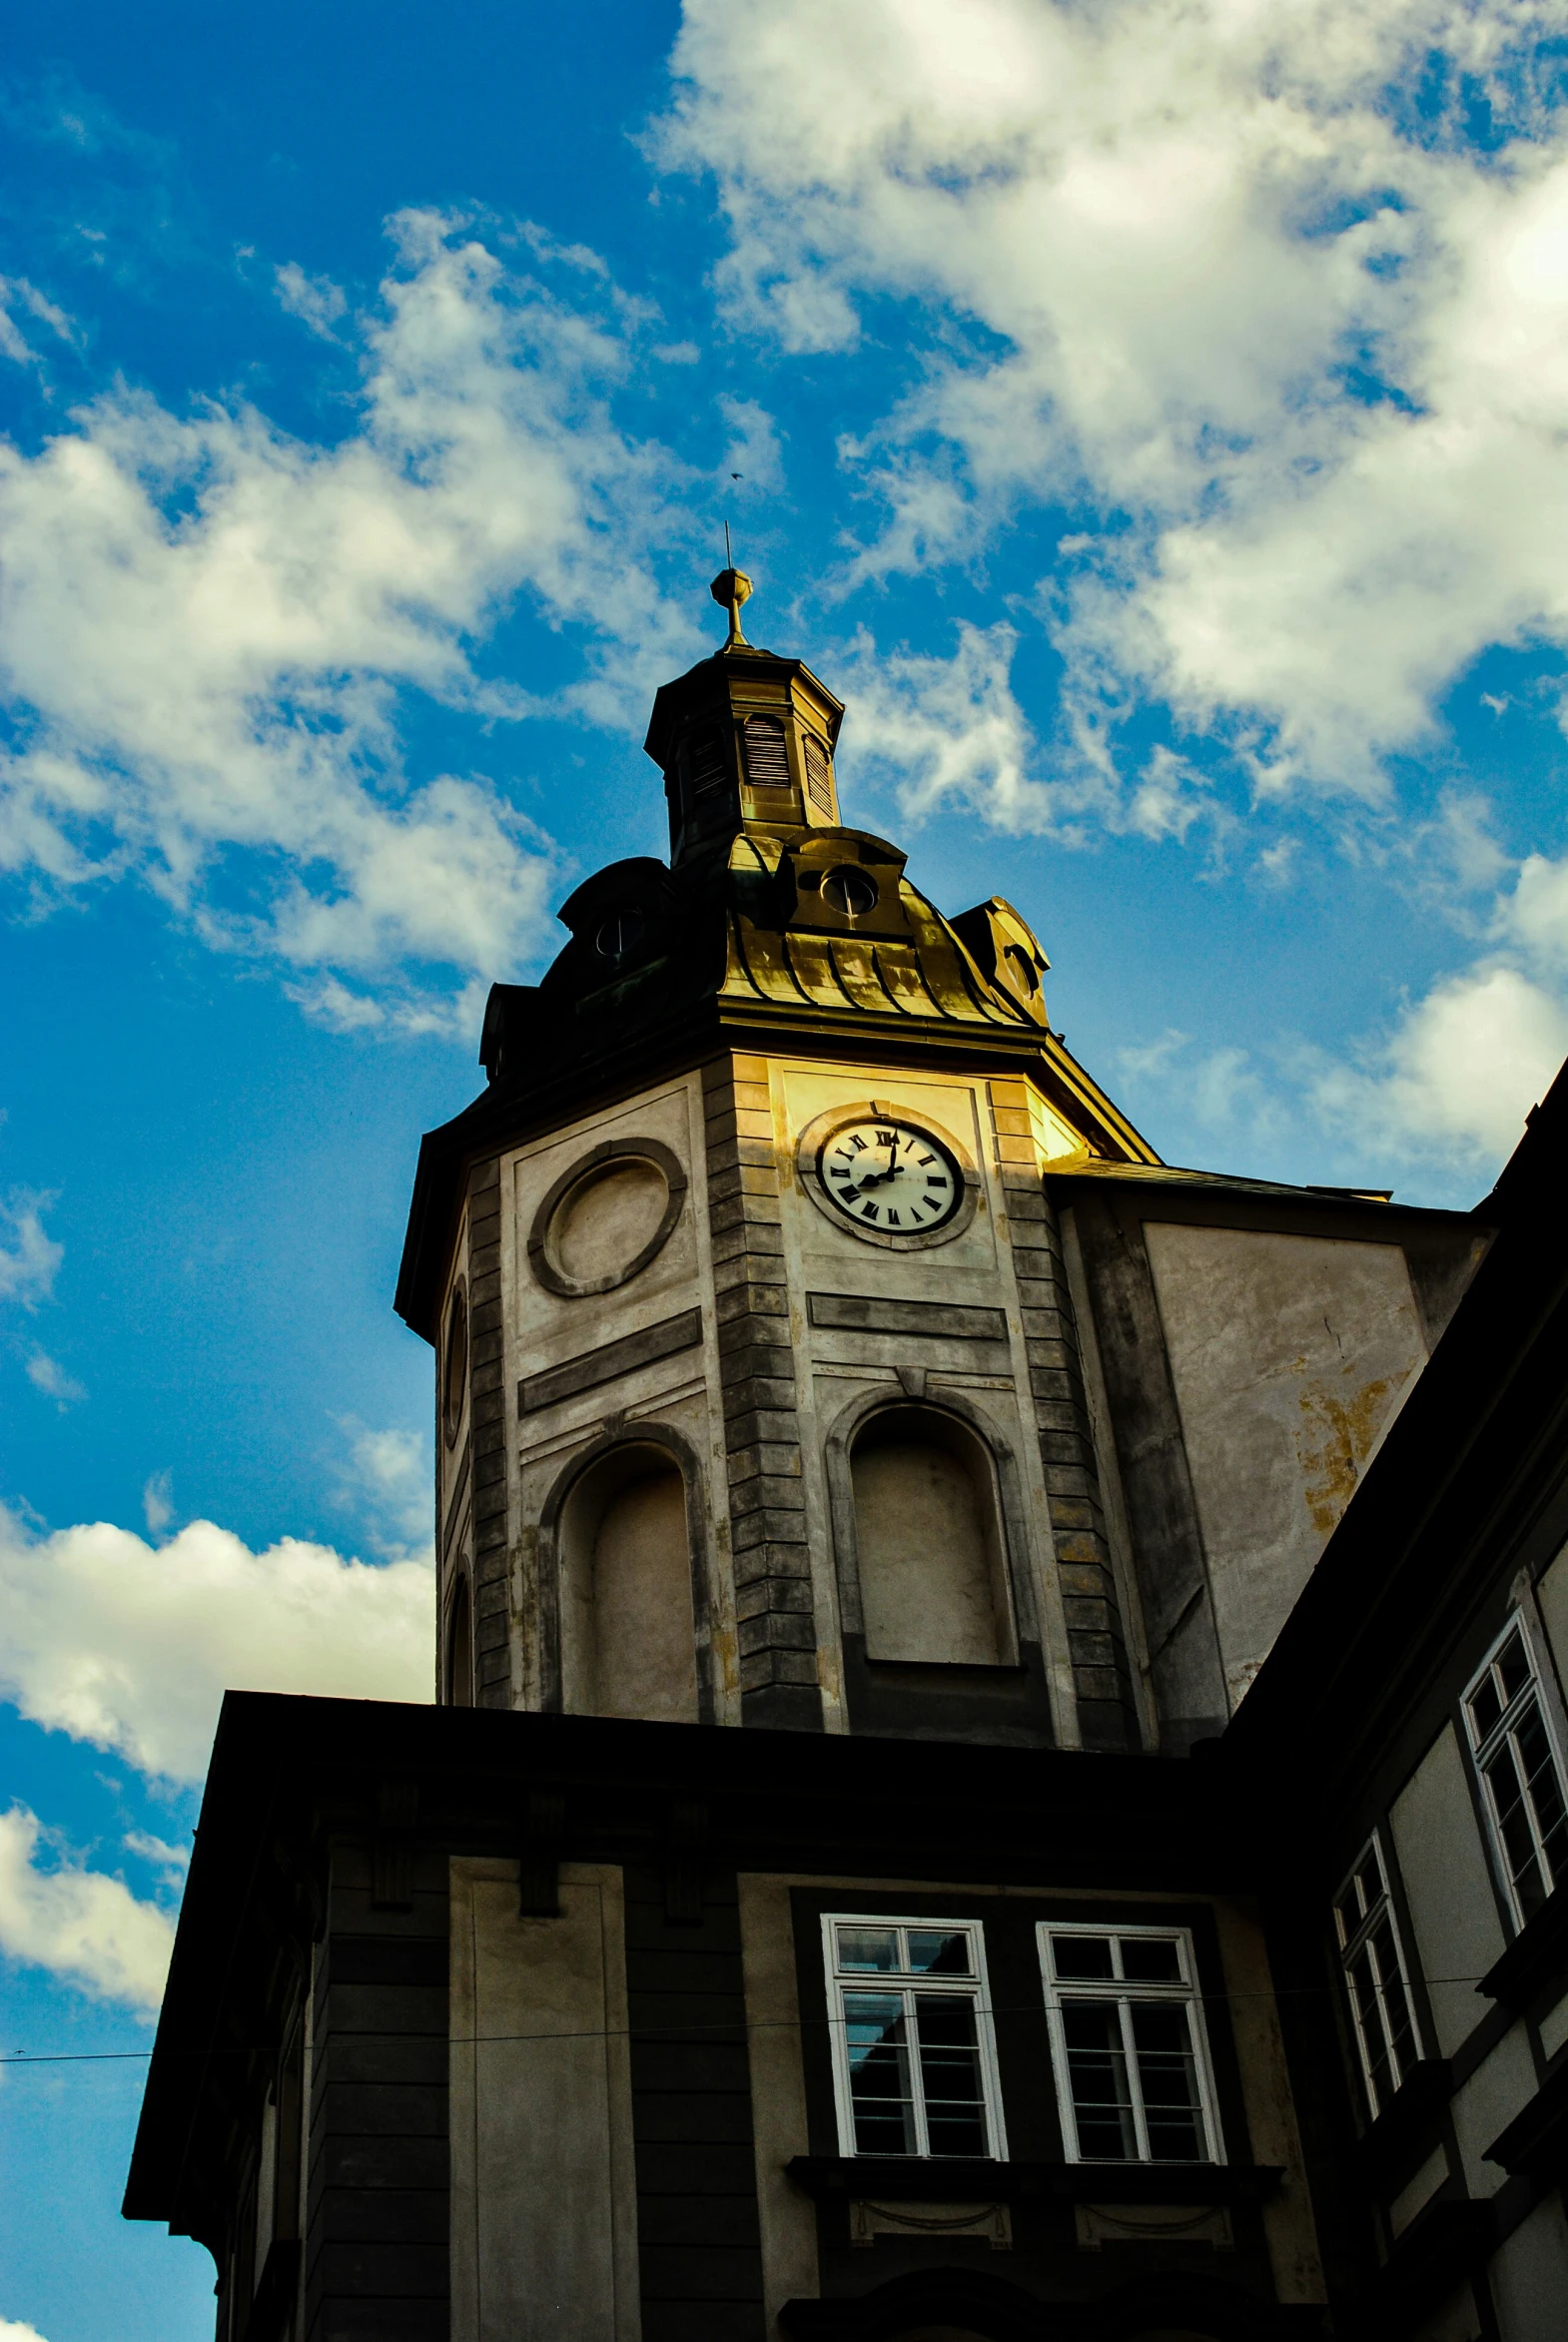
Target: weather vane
(729, 589)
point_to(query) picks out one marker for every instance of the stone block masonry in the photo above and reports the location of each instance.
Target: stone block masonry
(488, 1409)
(1097, 1646)
(766, 1489)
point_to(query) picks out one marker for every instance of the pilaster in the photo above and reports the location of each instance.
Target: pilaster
(771, 1557)
(1097, 1646)
(488, 1413)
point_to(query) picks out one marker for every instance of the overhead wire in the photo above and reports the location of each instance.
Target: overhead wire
(17, 2058)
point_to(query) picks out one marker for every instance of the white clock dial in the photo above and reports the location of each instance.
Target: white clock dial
(891, 1176)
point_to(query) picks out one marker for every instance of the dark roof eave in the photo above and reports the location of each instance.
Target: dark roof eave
(1077, 1168)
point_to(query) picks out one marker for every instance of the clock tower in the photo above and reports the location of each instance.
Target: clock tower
(763, 1397)
(820, 1349)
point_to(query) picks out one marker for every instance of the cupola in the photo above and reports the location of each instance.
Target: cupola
(744, 740)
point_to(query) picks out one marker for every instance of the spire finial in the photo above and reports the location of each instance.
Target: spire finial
(729, 589)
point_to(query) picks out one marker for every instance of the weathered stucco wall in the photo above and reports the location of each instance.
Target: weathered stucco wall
(543, 2179)
(1551, 1593)
(1457, 1932)
(1289, 1356)
(787, 2215)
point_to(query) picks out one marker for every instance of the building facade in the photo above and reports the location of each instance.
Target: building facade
(878, 1779)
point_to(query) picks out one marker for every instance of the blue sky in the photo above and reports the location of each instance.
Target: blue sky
(1148, 419)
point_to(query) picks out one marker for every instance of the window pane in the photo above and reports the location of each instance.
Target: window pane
(1168, 2078)
(1545, 1791)
(1363, 1988)
(1396, 2006)
(1151, 1960)
(950, 2074)
(1485, 1706)
(881, 2098)
(1082, 1956)
(1512, 1664)
(1513, 1828)
(1096, 2070)
(933, 1952)
(1348, 1913)
(1370, 1880)
(875, 1948)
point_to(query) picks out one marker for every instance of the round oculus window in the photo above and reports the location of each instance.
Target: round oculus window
(611, 1216)
(454, 1372)
(890, 1176)
(619, 932)
(1021, 969)
(606, 1218)
(849, 891)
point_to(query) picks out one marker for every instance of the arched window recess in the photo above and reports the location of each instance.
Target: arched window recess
(623, 1629)
(457, 1648)
(935, 1606)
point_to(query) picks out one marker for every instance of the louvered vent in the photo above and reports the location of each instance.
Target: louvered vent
(705, 766)
(767, 766)
(819, 774)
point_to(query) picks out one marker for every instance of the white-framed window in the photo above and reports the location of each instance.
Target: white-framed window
(1520, 1770)
(1376, 1979)
(914, 2054)
(1134, 2079)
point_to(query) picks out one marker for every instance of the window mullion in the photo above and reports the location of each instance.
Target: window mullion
(1368, 2047)
(1530, 1705)
(916, 2080)
(1522, 1778)
(844, 2084)
(1380, 2004)
(1494, 1816)
(1134, 2080)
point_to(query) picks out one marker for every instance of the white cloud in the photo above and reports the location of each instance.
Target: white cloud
(939, 728)
(315, 301)
(388, 1476)
(205, 623)
(753, 451)
(1211, 273)
(10, 2331)
(158, 1502)
(29, 1262)
(1225, 1091)
(173, 1861)
(1444, 1086)
(1460, 1072)
(49, 1377)
(131, 1648)
(81, 1925)
(1536, 916)
(1465, 1063)
(16, 294)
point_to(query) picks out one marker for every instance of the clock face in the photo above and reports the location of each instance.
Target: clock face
(891, 1176)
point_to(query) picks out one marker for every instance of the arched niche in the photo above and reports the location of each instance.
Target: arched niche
(626, 1632)
(458, 1674)
(928, 1544)
(931, 1543)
